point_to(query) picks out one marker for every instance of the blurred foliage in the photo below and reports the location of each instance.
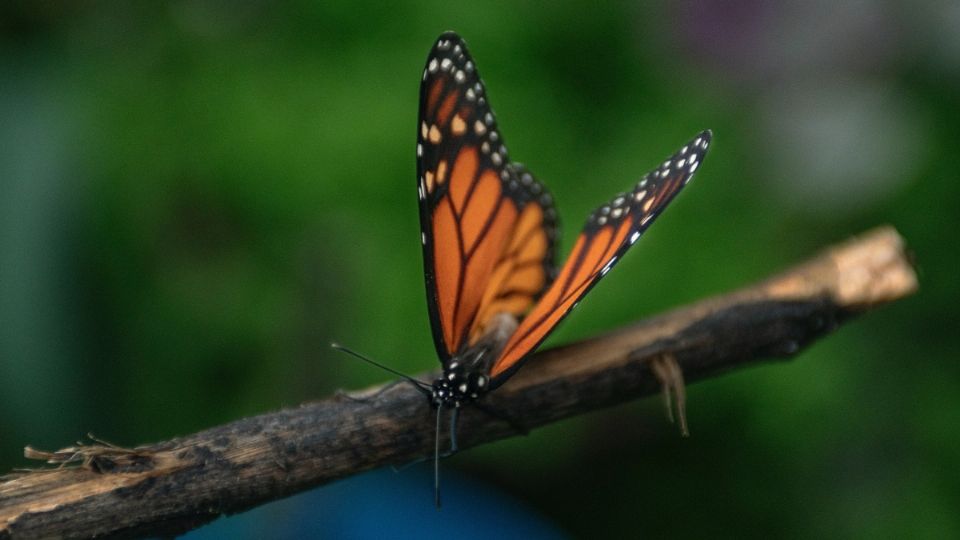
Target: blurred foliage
(197, 196)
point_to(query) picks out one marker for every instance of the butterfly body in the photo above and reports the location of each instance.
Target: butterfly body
(489, 233)
(466, 377)
(459, 384)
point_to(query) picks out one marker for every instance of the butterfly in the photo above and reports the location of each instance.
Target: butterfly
(489, 232)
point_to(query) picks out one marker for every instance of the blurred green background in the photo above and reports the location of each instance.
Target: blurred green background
(196, 197)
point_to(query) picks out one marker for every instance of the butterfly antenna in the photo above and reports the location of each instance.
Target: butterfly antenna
(436, 460)
(423, 387)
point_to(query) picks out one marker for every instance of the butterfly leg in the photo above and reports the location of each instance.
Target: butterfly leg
(436, 459)
(454, 416)
(454, 448)
(668, 372)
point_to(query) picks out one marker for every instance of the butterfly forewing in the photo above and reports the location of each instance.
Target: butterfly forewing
(488, 226)
(608, 233)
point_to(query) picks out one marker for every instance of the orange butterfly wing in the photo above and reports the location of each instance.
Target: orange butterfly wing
(488, 226)
(526, 265)
(608, 233)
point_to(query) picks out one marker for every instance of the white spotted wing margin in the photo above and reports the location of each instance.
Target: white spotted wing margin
(609, 232)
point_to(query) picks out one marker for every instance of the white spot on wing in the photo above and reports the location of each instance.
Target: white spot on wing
(608, 266)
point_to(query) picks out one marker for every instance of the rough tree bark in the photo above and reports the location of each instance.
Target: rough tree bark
(175, 485)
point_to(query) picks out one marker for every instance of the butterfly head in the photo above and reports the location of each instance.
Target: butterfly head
(458, 386)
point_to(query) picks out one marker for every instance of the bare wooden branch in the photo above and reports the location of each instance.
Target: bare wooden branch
(176, 485)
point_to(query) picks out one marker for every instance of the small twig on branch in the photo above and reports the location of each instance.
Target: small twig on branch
(176, 485)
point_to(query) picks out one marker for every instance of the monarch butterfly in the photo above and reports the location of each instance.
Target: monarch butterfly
(489, 233)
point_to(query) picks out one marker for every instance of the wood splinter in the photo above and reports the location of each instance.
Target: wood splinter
(668, 372)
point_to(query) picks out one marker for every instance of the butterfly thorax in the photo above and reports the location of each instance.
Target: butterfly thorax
(467, 376)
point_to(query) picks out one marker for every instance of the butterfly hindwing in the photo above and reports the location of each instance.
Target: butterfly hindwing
(526, 266)
(473, 202)
(610, 230)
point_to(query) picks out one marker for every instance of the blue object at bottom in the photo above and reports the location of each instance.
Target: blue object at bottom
(385, 504)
